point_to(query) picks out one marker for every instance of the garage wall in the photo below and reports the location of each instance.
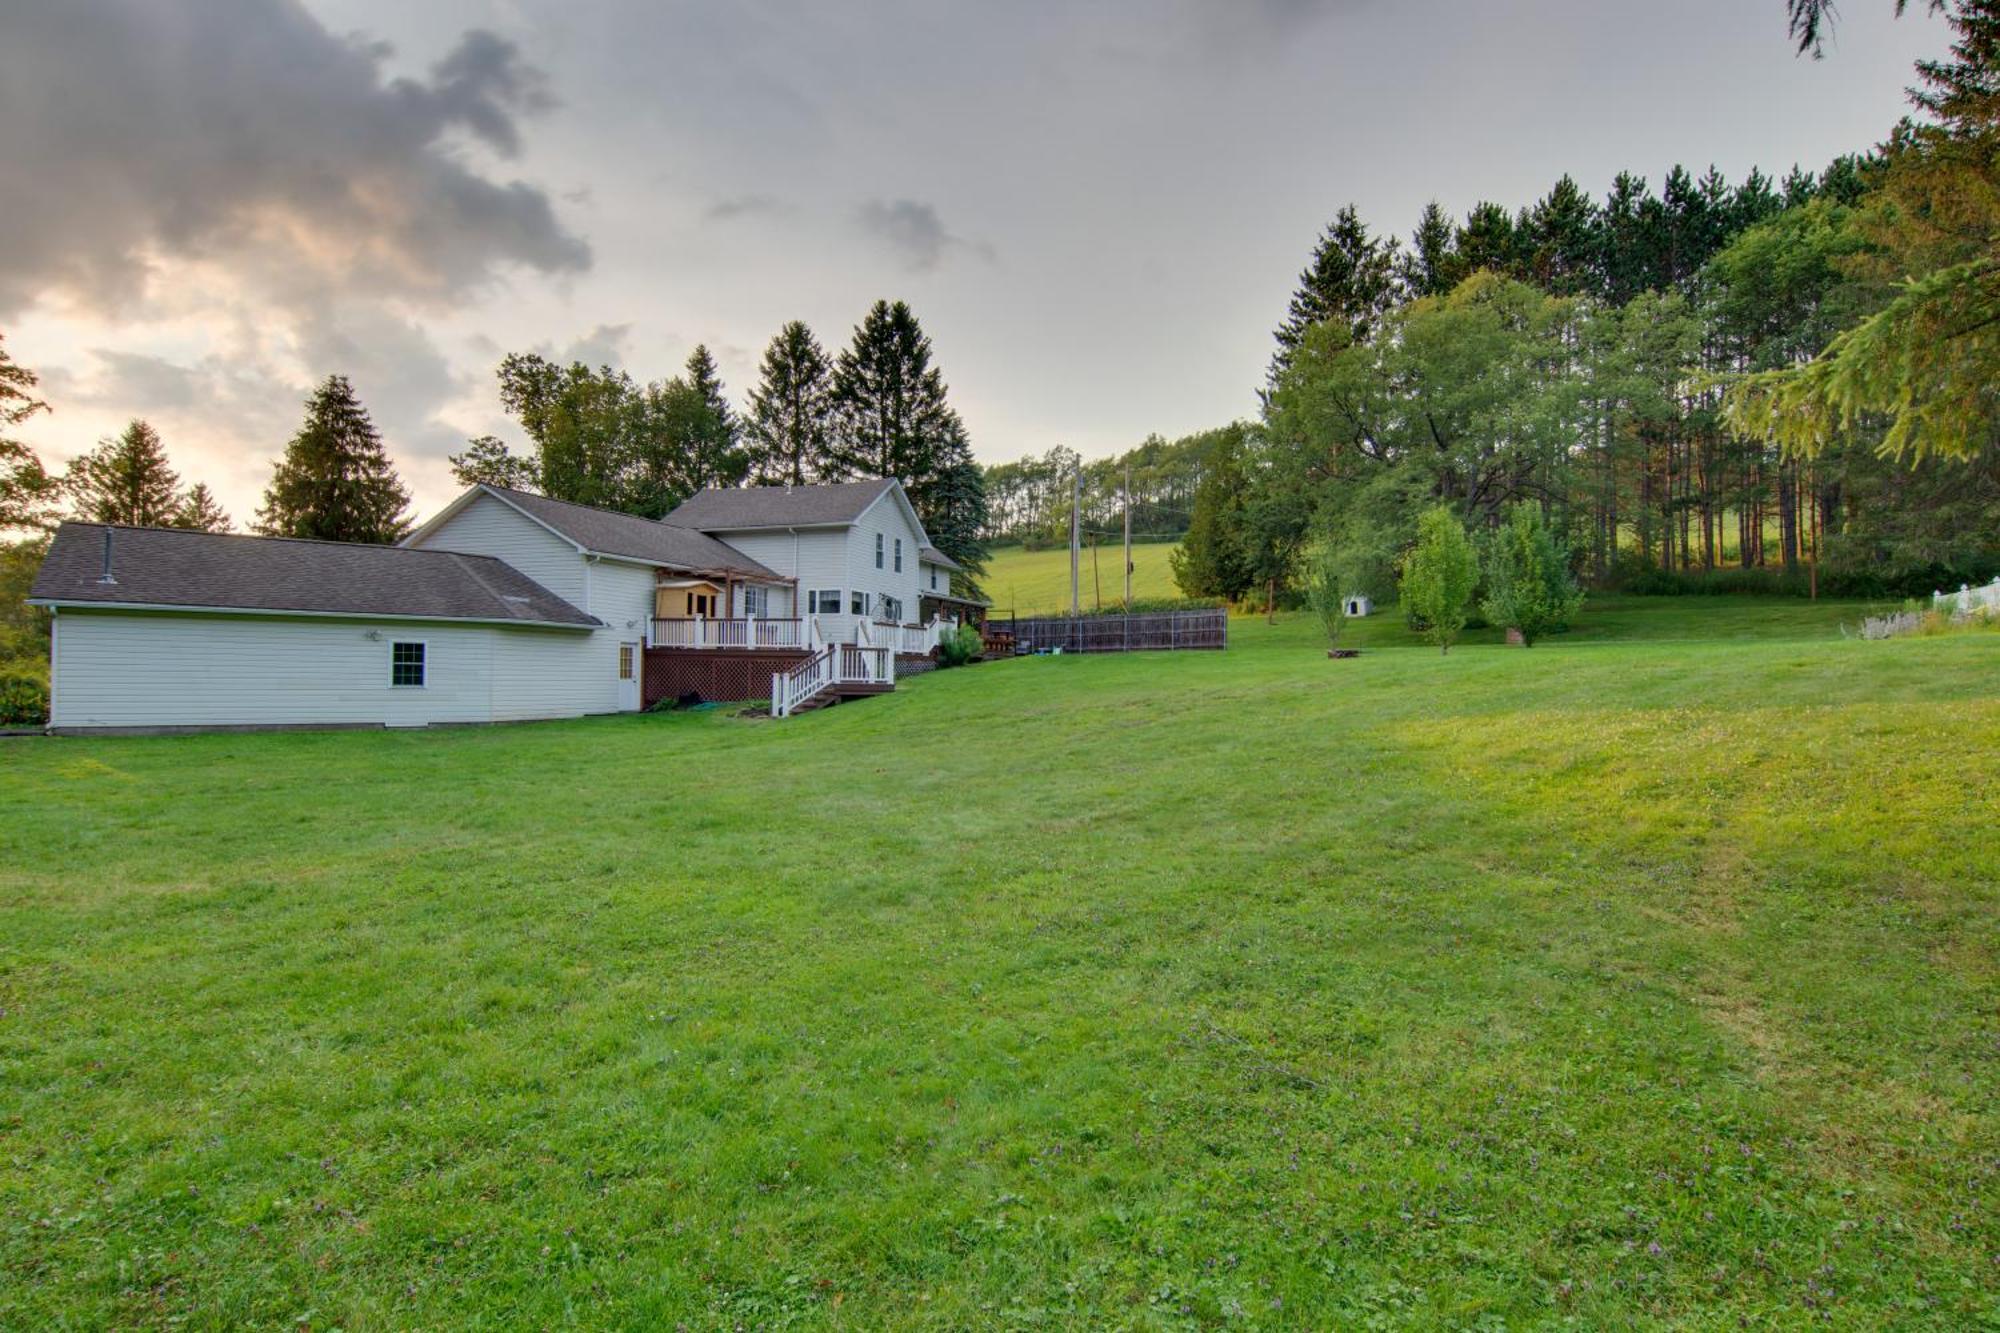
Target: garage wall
(166, 669)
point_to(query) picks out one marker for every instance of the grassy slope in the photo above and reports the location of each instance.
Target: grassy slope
(1633, 979)
(1029, 582)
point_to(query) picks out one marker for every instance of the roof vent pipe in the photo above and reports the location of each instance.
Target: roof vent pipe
(105, 577)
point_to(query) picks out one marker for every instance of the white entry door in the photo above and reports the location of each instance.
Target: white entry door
(629, 659)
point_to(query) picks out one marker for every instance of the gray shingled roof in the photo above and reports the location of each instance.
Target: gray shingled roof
(741, 509)
(607, 532)
(173, 567)
(937, 557)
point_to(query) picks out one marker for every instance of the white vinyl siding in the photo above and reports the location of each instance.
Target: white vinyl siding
(884, 522)
(165, 669)
(490, 526)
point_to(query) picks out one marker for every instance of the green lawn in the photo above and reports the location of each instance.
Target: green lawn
(1031, 582)
(1648, 977)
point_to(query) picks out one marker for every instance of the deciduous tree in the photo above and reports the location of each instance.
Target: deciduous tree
(1439, 576)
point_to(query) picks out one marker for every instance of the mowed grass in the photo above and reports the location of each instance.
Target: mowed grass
(1644, 978)
(1029, 583)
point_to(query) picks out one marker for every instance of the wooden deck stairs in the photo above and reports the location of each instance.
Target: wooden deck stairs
(833, 675)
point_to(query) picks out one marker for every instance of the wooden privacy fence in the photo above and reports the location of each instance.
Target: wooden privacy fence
(1207, 628)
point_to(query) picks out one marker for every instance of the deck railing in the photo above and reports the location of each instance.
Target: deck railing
(840, 664)
(744, 632)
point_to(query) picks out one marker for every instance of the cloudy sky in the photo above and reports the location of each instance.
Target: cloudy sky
(1097, 209)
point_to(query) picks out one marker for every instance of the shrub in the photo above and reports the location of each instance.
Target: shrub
(1439, 575)
(24, 699)
(1527, 575)
(1326, 583)
(958, 646)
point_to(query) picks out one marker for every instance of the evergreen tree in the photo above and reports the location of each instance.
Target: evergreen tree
(1624, 266)
(955, 518)
(1212, 559)
(29, 495)
(1432, 265)
(1351, 280)
(891, 415)
(335, 481)
(1561, 238)
(1487, 241)
(723, 429)
(201, 511)
(126, 480)
(790, 428)
(488, 462)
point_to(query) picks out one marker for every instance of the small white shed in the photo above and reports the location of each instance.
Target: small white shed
(1358, 604)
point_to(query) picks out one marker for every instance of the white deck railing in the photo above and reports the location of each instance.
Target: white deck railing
(739, 632)
(839, 664)
(1968, 599)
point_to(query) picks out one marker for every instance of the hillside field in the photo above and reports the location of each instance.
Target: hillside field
(1646, 978)
(1037, 582)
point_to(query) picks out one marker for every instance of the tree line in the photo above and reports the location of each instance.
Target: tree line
(1028, 500)
(1786, 378)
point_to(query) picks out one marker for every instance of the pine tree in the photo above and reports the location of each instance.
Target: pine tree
(790, 428)
(335, 481)
(1212, 560)
(706, 381)
(1351, 280)
(201, 511)
(1432, 265)
(1488, 241)
(891, 416)
(954, 513)
(1562, 240)
(126, 480)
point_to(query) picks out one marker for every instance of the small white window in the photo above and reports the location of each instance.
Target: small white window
(756, 600)
(859, 603)
(933, 578)
(899, 555)
(878, 550)
(406, 665)
(823, 602)
(628, 662)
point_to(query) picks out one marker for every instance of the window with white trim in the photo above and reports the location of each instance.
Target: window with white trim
(860, 603)
(756, 600)
(878, 550)
(892, 608)
(933, 578)
(823, 602)
(628, 662)
(406, 665)
(899, 555)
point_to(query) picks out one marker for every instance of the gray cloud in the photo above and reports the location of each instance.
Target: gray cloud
(915, 233)
(243, 130)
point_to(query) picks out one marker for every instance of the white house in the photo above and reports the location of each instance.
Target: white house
(504, 606)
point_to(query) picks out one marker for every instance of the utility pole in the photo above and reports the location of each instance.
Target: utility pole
(1128, 539)
(1075, 543)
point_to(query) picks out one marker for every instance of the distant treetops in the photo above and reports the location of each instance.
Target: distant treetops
(878, 409)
